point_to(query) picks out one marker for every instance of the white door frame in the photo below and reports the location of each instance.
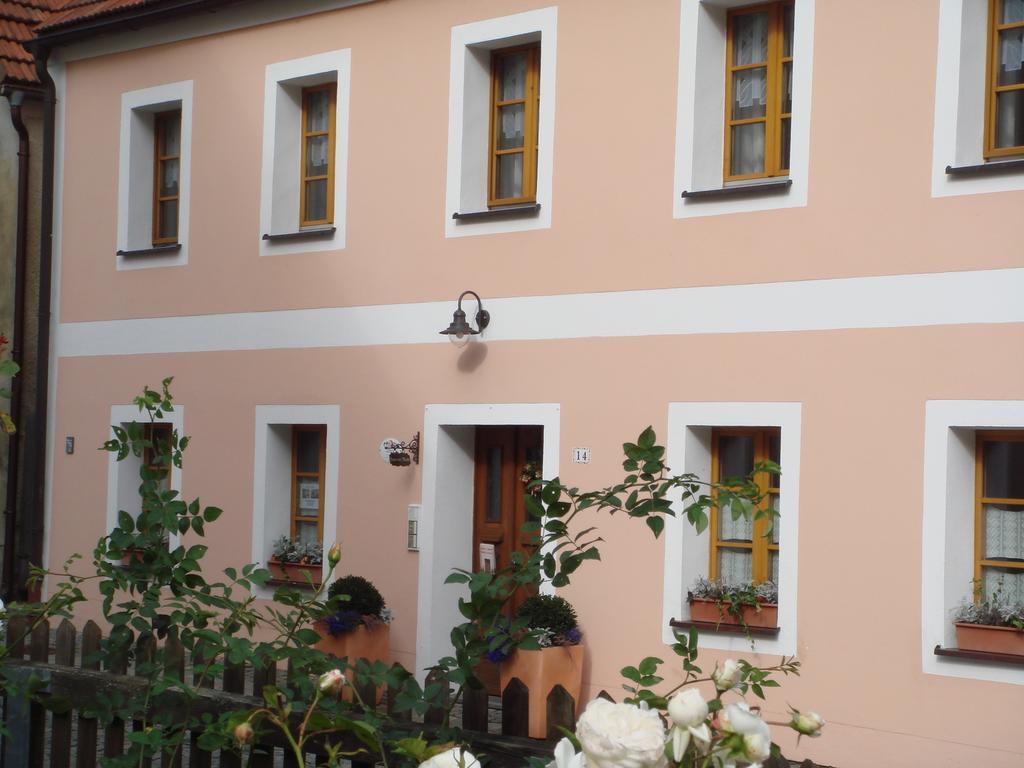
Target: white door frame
(446, 532)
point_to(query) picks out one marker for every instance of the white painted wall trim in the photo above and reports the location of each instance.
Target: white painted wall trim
(287, 415)
(959, 132)
(949, 298)
(947, 527)
(446, 542)
(135, 173)
(700, 117)
(123, 476)
(279, 181)
(687, 554)
(467, 163)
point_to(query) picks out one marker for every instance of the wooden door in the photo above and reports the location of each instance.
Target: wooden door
(505, 457)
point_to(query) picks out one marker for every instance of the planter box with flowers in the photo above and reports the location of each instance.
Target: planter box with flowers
(559, 660)
(292, 560)
(358, 629)
(992, 625)
(745, 605)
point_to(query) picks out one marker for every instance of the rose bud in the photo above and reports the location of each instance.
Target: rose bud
(688, 708)
(728, 677)
(243, 733)
(331, 682)
(807, 723)
(334, 555)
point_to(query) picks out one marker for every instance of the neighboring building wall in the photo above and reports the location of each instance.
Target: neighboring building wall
(8, 226)
(860, 307)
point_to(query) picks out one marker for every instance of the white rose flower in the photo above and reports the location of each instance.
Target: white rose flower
(452, 758)
(681, 737)
(621, 736)
(757, 747)
(807, 723)
(728, 677)
(566, 756)
(688, 708)
(737, 718)
(331, 682)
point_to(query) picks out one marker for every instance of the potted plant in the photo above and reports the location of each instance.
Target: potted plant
(551, 620)
(744, 605)
(358, 627)
(990, 625)
(292, 560)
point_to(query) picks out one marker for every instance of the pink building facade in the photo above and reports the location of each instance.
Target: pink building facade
(846, 284)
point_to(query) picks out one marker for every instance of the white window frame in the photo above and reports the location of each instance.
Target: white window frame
(947, 533)
(687, 554)
(123, 476)
(700, 118)
(273, 481)
(135, 174)
(282, 141)
(469, 119)
(961, 82)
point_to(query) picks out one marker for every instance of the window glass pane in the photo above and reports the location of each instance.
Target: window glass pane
(773, 563)
(1010, 584)
(168, 219)
(1013, 12)
(510, 126)
(784, 142)
(1003, 464)
(513, 76)
(170, 135)
(308, 459)
(747, 149)
(750, 38)
(494, 461)
(741, 529)
(317, 110)
(735, 456)
(774, 454)
(316, 200)
(316, 156)
(735, 566)
(168, 178)
(787, 88)
(1011, 56)
(787, 30)
(749, 93)
(510, 175)
(1003, 531)
(306, 532)
(773, 501)
(1010, 119)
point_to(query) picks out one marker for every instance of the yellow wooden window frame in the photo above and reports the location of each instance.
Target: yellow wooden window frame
(980, 500)
(531, 110)
(159, 155)
(774, 117)
(332, 90)
(992, 81)
(295, 517)
(760, 546)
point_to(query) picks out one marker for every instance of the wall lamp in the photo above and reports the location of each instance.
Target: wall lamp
(399, 453)
(459, 328)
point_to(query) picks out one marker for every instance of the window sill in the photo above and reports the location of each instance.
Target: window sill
(725, 629)
(507, 211)
(986, 169)
(154, 251)
(302, 234)
(993, 658)
(740, 190)
(293, 584)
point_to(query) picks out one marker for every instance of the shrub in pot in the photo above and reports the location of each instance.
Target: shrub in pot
(990, 625)
(743, 605)
(358, 627)
(292, 560)
(551, 620)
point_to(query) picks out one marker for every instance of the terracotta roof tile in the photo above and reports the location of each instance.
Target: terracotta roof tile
(18, 20)
(80, 10)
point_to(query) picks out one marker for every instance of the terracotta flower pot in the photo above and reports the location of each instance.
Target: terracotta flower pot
(990, 639)
(710, 612)
(540, 671)
(295, 572)
(372, 644)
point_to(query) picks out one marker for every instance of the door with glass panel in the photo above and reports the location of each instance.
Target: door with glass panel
(506, 459)
(999, 516)
(745, 550)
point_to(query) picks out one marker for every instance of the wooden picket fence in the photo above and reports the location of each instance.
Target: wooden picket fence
(68, 669)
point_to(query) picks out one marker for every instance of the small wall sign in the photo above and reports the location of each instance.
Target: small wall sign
(580, 455)
(488, 559)
(69, 445)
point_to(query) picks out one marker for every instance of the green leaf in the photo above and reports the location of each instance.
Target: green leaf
(212, 513)
(656, 524)
(646, 439)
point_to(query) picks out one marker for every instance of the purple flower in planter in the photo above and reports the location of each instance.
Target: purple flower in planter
(573, 636)
(343, 622)
(498, 655)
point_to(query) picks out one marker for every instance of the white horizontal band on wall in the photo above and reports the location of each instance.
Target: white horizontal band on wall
(948, 298)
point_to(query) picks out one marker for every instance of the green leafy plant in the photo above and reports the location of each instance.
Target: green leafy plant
(993, 610)
(552, 618)
(8, 369)
(359, 595)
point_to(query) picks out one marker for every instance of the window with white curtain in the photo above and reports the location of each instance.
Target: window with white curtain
(999, 516)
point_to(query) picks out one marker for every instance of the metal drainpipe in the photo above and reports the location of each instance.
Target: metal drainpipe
(16, 97)
(35, 456)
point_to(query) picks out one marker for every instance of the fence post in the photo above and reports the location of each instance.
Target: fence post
(64, 654)
(561, 712)
(515, 709)
(234, 682)
(39, 650)
(199, 758)
(263, 674)
(86, 743)
(15, 707)
(474, 709)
